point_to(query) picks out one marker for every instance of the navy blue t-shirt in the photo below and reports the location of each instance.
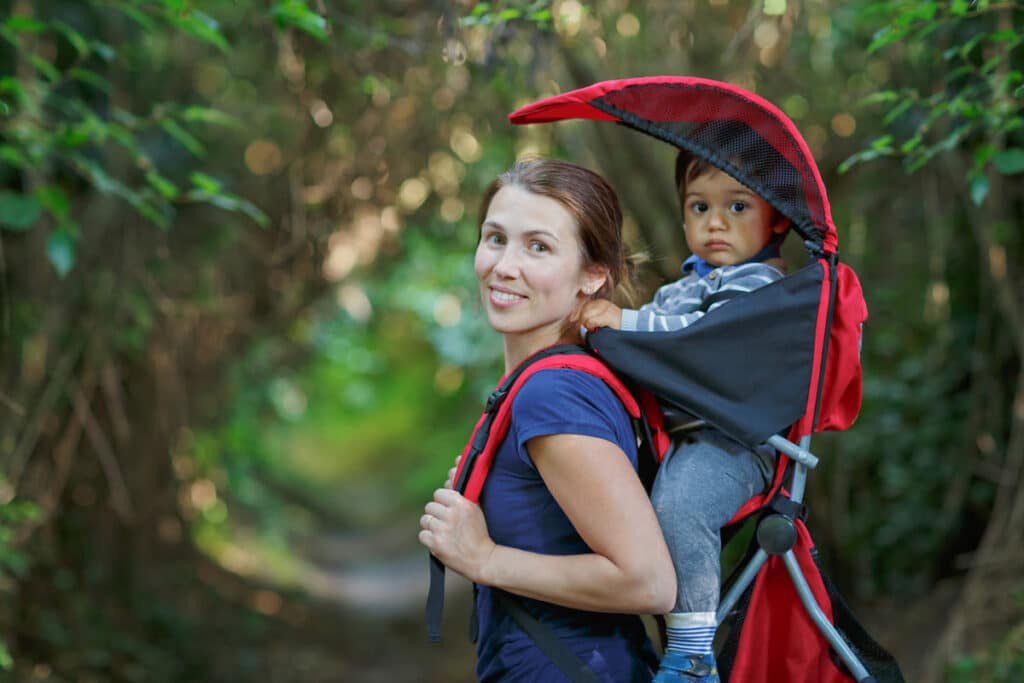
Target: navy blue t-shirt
(521, 513)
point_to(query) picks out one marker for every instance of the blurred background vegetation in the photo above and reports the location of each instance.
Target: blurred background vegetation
(240, 342)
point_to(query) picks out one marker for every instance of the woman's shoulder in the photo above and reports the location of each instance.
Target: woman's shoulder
(564, 388)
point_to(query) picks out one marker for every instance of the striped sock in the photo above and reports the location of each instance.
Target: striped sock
(690, 632)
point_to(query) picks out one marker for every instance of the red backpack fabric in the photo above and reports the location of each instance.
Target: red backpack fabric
(474, 467)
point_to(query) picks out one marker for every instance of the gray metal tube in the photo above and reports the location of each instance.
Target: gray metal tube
(821, 621)
(802, 456)
(744, 579)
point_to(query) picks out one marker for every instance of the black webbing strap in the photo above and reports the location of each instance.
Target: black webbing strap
(720, 295)
(555, 650)
(786, 506)
(435, 600)
(435, 593)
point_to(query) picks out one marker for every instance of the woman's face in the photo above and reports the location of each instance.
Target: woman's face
(530, 267)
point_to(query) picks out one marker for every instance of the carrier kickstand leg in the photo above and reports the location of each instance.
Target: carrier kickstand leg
(775, 536)
(821, 621)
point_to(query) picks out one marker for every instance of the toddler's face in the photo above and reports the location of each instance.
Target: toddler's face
(725, 221)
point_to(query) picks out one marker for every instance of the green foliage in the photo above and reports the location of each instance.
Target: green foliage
(1000, 662)
(980, 106)
(296, 13)
(15, 562)
(59, 114)
(535, 12)
(14, 517)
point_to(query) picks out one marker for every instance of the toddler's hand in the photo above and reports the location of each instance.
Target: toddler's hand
(601, 313)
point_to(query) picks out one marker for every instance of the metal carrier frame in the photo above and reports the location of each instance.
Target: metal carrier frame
(776, 534)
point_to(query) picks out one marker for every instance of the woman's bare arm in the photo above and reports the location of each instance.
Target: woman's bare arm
(630, 569)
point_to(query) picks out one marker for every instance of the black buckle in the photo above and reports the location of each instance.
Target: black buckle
(495, 399)
(785, 506)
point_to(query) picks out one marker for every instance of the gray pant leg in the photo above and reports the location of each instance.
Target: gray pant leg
(703, 480)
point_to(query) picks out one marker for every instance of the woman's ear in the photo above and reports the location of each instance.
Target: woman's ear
(594, 278)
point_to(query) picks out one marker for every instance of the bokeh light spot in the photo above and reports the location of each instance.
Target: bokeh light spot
(262, 157)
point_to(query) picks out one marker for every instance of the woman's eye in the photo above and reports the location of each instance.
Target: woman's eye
(738, 207)
(494, 238)
(538, 247)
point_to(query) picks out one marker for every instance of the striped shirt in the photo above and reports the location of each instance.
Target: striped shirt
(681, 303)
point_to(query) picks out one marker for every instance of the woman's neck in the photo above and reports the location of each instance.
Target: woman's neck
(519, 347)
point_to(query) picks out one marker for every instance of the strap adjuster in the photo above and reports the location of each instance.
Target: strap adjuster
(495, 400)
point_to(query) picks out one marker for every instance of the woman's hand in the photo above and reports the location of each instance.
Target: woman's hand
(455, 531)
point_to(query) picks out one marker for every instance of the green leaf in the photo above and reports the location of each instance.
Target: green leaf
(90, 78)
(1005, 36)
(882, 143)
(884, 36)
(60, 249)
(25, 25)
(205, 183)
(296, 13)
(48, 71)
(6, 661)
(12, 156)
(126, 139)
(158, 213)
(18, 212)
(897, 111)
(54, 200)
(230, 203)
(866, 155)
(136, 15)
(1009, 161)
(982, 155)
(204, 27)
(165, 187)
(911, 144)
(509, 14)
(10, 84)
(979, 188)
(106, 52)
(882, 96)
(187, 140)
(774, 8)
(102, 180)
(77, 40)
(966, 48)
(210, 115)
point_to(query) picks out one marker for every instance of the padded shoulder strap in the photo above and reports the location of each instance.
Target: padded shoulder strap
(492, 427)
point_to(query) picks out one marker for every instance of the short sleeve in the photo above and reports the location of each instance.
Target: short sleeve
(564, 401)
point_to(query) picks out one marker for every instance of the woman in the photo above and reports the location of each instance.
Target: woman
(564, 522)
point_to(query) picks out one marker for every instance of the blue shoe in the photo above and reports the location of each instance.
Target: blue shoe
(680, 668)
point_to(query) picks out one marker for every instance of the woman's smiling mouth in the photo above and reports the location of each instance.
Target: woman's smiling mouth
(502, 297)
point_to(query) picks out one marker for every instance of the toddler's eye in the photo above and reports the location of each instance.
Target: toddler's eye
(738, 207)
(699, 207)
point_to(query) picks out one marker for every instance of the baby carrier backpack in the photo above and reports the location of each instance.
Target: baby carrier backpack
(793, 347)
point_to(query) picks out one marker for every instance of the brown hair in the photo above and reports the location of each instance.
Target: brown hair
(593, 205)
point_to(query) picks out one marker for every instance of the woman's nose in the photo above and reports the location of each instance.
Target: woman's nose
(508, 263)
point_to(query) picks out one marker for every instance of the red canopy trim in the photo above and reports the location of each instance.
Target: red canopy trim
(653, 104)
